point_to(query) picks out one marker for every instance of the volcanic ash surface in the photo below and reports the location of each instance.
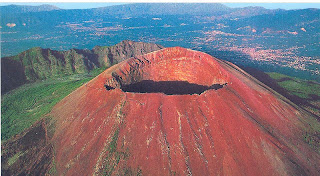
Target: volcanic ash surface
(178, 112)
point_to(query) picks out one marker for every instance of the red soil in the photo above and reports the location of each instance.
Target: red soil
(243, 128)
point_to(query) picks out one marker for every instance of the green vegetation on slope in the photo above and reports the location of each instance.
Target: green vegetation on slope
(296, 86)
(27, 104)
(308, 92)
(15, 158)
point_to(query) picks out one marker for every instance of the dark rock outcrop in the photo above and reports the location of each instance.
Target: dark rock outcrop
(29, 153)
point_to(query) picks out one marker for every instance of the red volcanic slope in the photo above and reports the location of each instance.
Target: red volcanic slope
(243, 128)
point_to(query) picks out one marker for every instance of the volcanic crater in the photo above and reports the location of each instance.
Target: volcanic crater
(179, 74)
(112, 125)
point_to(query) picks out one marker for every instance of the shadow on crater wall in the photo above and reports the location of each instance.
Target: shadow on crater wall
(167, 87)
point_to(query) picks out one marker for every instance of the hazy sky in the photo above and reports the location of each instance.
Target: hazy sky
(94, 5)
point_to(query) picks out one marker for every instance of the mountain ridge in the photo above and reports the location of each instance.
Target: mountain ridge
(139, 9)
(38, 64)
(142, 9)
(27, 8)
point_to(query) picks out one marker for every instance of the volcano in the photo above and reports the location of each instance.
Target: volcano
(177, 111)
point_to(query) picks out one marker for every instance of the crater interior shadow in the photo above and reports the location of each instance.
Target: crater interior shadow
(167, 87)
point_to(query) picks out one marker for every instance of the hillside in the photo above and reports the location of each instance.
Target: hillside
(304, 93)
(26, 9)
(25, 124)
(142, 9)
(280, 22)
(39, 64)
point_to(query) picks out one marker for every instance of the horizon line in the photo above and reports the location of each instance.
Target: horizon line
(88, 5)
